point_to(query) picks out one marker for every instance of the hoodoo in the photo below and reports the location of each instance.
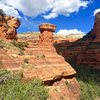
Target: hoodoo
(46, 34)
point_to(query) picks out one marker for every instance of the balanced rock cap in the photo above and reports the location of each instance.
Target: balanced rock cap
(48, 27)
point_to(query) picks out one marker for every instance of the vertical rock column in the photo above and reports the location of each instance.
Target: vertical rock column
(46, 35)
(96, 28)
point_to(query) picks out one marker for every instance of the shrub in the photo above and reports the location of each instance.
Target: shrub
(26, 60)
(15, 89)
(1, 44)
(40, 56)
(89, 80)
(20, 45)
(21, 53)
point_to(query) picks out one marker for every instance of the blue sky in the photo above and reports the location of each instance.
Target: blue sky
(67, 15)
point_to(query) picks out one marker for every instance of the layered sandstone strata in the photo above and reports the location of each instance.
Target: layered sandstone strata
(51, 67)
(85, 50)
(91, 55)
(46, 34)
(44, 63)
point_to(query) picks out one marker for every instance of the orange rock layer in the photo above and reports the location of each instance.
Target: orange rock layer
(44, 63)
(8, 27)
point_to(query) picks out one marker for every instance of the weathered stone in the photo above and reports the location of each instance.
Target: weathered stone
(96, 29)
(43, 63)
(91, 55)
(8, 27)
(66, 89)
(46, 35)
(8, 62)
(85, 50)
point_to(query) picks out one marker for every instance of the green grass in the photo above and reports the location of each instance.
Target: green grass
(20, 45)
(12, 88)
(8, 46)
(89, 80)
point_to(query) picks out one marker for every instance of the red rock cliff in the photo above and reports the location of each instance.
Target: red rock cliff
(96, 28)
(8, 27)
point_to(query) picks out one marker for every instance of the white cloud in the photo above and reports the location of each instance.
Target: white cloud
(65, 32)
(9, 10)
(96, 11)
(65, 7)
(49, 8)
(29, 7)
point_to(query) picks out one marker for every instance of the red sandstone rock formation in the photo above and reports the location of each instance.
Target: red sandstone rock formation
(96, 29)
(8, 27)
(44, 63)
(85, 50)
(91, 55)
(8, 62)
(68, 38)
(46, 35)
(51, 67)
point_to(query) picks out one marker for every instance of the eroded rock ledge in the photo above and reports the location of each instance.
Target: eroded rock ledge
(8, 27)
(44, 63)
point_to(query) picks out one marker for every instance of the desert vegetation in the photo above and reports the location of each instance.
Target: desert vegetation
(29, 57)
(20, 45)
(13, 88)
(89, 80)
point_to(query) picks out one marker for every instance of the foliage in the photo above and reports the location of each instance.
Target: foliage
(95, 45)
(26, 60)
(1, 44)
(21, 53)
(14, 89)
(40, 56)
(7, 45)
(89, 80)
(20, 45)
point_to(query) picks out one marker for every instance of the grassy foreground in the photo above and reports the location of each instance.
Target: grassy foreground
(12, 88)
(89, 80)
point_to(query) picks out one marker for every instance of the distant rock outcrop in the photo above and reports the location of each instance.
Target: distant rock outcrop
(96, 29)
(46, 35)
(74, 37)
(91, 55)
(85, 50)
(8, 27)
(41, 61)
